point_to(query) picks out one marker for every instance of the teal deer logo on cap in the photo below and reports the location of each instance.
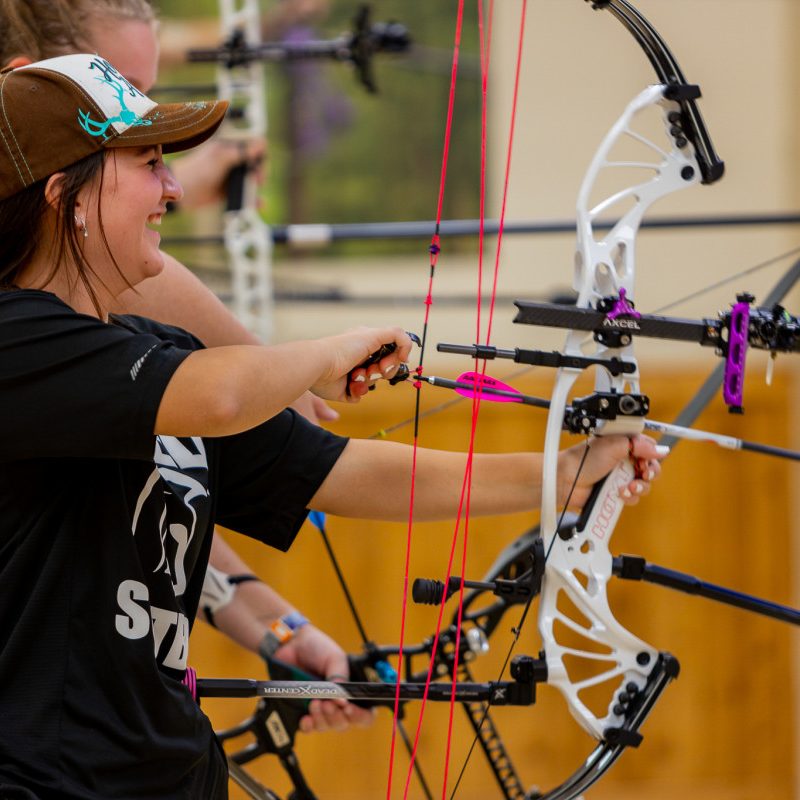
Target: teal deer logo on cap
(121, 87)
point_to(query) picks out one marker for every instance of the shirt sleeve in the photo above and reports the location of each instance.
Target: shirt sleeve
(269, 474)
(74, 386)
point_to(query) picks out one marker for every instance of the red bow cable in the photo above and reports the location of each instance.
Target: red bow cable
(435, 249)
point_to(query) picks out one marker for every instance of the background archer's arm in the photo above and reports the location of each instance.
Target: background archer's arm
(178, 297)
(372, 479)
(246, 617)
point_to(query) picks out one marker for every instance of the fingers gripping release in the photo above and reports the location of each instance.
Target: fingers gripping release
(402, 373)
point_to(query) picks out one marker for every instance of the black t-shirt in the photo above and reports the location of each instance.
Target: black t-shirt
(105, 531)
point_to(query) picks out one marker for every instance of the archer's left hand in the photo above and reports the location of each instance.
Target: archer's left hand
(604, 454)
(315, 652)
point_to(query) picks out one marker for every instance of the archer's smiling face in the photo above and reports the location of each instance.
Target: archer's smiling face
(133, 195)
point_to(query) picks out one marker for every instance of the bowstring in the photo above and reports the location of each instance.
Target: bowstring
(485, 51)
(434, 251)
(465, 494)
(482, 370)
(485, 43)
(465, 499)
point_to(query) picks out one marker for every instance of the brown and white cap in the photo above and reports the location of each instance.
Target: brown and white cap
(56, 112)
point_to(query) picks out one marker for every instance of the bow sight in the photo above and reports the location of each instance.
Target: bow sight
(730, 333)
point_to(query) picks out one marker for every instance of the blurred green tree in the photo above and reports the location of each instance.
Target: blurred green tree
(340, 154)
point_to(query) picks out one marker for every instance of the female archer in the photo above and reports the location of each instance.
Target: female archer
(241, 606)
(127, 441)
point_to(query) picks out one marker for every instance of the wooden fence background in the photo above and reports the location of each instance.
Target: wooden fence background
(725, 729)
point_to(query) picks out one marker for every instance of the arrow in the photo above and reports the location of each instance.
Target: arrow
(473, 384)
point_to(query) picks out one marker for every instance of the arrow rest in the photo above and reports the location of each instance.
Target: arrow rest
(628, 410)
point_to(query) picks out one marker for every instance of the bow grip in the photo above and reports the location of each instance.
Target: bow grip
(234, 187)
(602, 509)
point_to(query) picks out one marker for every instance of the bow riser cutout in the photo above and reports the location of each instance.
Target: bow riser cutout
(586, 648)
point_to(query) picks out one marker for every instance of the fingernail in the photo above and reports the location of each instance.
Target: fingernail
(375, 376)
(359, 379)
(391, 368)
(650, 474)
(639, 488)
(626, 494)
(662, 450)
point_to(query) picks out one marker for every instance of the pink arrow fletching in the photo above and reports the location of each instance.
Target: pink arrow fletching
(485, 382)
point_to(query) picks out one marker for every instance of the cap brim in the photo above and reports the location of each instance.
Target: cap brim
(174, 126)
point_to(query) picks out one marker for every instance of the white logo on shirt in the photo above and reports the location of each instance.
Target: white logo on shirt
(169, 497)
(138, 365)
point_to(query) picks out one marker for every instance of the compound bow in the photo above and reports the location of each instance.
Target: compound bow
(569, 557)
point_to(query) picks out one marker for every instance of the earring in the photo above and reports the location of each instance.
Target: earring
(81, 223)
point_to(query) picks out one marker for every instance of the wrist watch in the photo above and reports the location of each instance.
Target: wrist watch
(280, 632)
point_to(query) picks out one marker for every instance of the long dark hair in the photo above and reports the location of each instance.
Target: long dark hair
(22, 218)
